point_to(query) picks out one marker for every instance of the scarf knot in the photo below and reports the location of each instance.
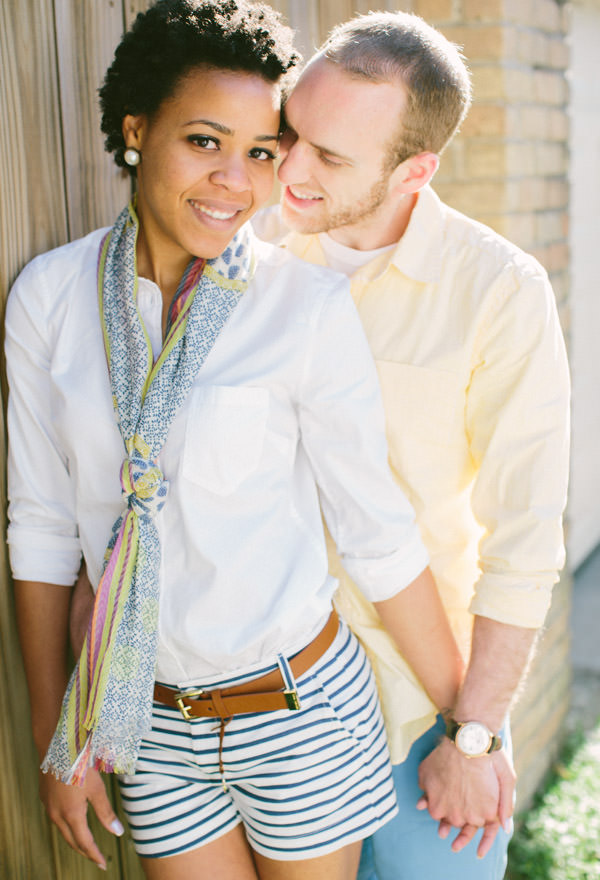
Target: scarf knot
(143, 486)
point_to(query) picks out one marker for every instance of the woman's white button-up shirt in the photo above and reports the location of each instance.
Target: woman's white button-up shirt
(283, 424)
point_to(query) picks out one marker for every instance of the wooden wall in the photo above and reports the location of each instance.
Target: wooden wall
(56, 183)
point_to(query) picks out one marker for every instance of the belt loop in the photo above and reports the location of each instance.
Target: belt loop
(217, 701)
(286, 673)
(290, 690)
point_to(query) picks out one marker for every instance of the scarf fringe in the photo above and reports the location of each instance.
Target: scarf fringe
(81, 764)
(77, 772)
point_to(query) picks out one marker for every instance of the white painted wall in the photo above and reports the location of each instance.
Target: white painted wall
(584, 501)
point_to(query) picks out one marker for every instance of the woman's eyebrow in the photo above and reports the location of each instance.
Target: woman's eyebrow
(216, 125)
(223, 129)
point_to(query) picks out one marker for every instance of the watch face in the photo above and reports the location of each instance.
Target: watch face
(473, 739)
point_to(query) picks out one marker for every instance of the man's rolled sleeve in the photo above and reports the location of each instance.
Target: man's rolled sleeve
(518, 423)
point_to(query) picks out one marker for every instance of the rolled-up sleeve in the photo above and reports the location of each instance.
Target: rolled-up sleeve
(42, 534)
(518, 426)
(343, 431)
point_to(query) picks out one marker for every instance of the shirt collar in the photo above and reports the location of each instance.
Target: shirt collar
(418, 254)
(307, 247)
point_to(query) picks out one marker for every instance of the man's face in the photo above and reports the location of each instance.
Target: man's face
(334, 168)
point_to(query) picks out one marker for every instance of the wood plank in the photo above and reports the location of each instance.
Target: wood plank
(131, 9)
(96, 189)
(331, 13)
(303, 16)
(25, 849)
(32, 208)
(32, 220)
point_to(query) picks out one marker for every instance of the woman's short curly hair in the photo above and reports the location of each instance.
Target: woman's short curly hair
(174, 36)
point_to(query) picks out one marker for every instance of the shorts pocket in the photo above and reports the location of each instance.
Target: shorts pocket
(224, 436)
(348, 689)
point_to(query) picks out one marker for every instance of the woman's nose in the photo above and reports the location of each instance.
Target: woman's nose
(232, 173)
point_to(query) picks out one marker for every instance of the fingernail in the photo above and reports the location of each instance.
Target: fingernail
(101, 866)
(116, 827)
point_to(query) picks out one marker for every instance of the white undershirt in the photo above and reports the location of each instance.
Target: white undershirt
(345, 259)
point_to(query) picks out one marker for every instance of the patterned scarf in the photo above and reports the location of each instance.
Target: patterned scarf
(107, 706)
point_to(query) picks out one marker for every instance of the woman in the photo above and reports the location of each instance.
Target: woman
(180, 390)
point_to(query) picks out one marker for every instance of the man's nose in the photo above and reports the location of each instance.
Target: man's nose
(293, 167)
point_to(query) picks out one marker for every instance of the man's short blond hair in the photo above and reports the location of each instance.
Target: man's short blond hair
(392, 46)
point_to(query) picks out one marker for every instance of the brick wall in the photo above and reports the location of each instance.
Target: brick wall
(508, 168)
(539, 713)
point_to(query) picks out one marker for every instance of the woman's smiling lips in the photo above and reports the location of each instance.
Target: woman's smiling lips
(221, 213)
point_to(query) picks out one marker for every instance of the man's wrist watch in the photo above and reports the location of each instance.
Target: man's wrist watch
(472, 738)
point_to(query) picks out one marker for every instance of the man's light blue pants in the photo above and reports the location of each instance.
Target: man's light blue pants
(408, 847)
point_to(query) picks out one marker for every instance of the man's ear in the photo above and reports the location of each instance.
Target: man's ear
(132, 128)
(414, 173)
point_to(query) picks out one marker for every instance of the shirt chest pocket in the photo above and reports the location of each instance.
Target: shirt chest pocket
(425, 416)
(224, 436)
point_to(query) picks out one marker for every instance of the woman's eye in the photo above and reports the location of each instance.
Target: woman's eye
(204, 141)
(262, 154)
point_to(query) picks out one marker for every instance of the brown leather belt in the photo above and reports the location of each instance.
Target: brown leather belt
(264, 694)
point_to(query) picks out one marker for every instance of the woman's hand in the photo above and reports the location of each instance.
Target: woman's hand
(42, 618)
(67, 807)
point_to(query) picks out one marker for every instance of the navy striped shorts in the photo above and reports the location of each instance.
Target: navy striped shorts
(304, 783)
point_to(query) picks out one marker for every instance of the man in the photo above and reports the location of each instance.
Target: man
(464, 330)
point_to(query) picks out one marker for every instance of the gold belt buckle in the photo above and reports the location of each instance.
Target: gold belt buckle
(292, 699)
(179, 698)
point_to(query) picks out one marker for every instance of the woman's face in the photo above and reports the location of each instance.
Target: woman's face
(206, 164)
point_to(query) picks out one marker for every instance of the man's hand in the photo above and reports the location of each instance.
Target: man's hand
(467, 793)
(80, 611)
(474, 793)
(67, 806)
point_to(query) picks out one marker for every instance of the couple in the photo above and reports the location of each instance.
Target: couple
(196, 397)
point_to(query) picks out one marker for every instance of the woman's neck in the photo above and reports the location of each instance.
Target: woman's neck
(165, 273)
(165, 270)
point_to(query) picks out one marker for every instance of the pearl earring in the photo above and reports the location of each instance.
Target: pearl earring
(132, 156)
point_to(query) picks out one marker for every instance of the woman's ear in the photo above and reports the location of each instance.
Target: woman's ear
(414, 173)
(132, 129)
